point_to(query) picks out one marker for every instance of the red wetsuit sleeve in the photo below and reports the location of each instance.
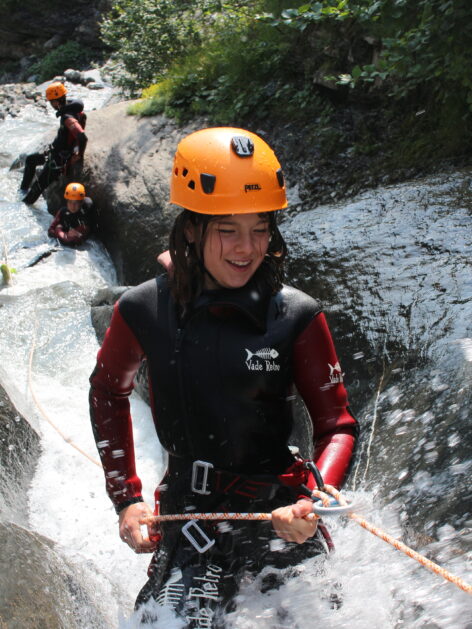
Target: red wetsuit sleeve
(54, 224)
(319, 380)
(111, 384)
(77, 135)
(73, 126)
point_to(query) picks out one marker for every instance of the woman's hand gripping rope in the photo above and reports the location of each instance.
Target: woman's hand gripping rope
(130, 520)
(295, 523)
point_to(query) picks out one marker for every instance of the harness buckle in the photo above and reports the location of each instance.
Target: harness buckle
(197, 543)
(199, 481)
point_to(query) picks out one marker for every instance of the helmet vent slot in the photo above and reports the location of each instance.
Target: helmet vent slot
(191, 184)
(184, 172)
(280, 178)
(208, 183)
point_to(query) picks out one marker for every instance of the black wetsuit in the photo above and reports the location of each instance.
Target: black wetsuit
(201, 586)
(54, 161)
(83, 222)
(221, 384)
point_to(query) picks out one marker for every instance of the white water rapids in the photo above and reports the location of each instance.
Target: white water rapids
(49, 305)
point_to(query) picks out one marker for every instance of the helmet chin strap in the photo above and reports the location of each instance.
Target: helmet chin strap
(207, 272)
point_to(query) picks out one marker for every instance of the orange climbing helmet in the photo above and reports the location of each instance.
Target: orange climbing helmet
(74, 192)
(55, 90)
(224, 170)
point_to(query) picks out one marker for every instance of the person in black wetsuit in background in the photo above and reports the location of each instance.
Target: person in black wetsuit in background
(74, 223)
(226, 344)
(66, 149)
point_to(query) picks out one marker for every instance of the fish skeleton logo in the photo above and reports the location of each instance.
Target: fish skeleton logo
(335, 373)
(262, 360)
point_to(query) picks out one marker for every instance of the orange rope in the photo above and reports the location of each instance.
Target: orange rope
(205, 516)
(152, 519)
(424, 561)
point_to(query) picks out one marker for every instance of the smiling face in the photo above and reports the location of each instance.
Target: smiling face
(234, 248)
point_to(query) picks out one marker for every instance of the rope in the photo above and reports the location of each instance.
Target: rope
(152, 519)
(41, 409)
(424, 561)
(372, 427)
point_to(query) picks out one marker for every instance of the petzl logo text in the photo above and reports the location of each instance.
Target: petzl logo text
(252, 186)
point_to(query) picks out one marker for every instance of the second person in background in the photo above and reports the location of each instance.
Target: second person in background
(74, 223)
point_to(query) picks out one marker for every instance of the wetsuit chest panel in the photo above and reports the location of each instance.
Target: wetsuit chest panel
(72, 220)
(235, 400)
(220, 385)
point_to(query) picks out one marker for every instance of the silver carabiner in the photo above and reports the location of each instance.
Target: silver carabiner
(334, 509)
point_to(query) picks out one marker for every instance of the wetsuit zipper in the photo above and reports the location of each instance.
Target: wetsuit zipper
(179, 335)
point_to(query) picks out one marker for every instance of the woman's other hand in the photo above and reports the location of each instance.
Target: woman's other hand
(290, 523)
(130, 528)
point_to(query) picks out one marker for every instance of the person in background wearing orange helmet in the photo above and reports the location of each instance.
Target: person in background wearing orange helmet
(226, 344)
(66, 149)
(74, 223)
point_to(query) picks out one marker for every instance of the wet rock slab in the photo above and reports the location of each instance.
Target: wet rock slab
(19, 452)
(37, 588)
(127, 170)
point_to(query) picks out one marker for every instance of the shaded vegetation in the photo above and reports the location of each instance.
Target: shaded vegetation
(57, 61)
(42, 38)
(35, 5)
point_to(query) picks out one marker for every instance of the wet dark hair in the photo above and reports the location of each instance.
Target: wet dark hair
(189, 272)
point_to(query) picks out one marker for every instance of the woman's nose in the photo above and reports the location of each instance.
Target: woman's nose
(244, 243)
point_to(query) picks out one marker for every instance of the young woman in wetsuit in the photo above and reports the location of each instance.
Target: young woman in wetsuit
(226, 345)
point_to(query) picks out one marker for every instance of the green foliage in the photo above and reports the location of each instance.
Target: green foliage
(229, 78)
(286, 59)
(149, 36)
(243, 68)
(69, 55)
(6, 272)
(430, 48)
(421, 44)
